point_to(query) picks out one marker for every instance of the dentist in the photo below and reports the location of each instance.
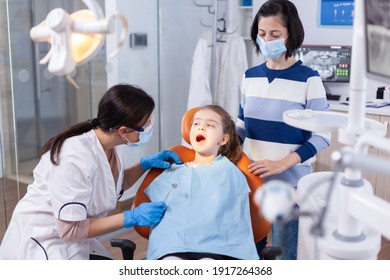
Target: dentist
(80, 178)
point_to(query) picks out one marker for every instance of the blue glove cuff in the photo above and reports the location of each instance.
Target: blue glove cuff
(159, 160)
(128, 220)
(144, 164)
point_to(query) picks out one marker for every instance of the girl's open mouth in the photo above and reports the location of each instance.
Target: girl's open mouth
(200, 138)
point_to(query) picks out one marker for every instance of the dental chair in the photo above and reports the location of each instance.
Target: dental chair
(260, 226)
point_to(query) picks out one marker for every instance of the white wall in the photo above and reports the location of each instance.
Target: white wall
(180, 27)
(138, 66)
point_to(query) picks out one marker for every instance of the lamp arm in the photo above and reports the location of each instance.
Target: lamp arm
(103, 26)
(358, 84)
(123, 35)
(95, 8)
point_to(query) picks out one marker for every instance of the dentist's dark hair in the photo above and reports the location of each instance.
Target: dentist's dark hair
(289, 16)
(121, 105)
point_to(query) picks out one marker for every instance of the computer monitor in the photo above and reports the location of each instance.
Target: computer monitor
(333, 63)
(377, 34)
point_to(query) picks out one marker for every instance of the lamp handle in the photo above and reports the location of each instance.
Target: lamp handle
(122, 37)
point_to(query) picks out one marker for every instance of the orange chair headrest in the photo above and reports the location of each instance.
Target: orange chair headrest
(186, 122)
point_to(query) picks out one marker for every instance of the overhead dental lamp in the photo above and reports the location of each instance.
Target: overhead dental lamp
(76, 38)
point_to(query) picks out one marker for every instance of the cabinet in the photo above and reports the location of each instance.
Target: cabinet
(244, 18)
(383, 182)
(380, 183)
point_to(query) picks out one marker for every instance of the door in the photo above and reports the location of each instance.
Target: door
(36, 105)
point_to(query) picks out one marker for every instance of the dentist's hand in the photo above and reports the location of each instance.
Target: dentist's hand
(159, 160)
(146, 214)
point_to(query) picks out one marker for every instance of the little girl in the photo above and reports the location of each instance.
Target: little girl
(207, 214)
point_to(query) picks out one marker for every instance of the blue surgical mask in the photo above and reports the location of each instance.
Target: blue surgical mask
(144, 136)
(271, 49)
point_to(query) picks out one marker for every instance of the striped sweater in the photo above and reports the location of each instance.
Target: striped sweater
(265, 95)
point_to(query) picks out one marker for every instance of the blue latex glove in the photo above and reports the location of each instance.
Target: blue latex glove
(159, 160)
(146, 214)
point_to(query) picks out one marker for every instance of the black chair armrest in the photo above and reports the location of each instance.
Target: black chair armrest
(127, 247)
(270, 253)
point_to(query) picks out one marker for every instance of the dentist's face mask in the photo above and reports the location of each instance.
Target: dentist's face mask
(271, 49)
(145, 134)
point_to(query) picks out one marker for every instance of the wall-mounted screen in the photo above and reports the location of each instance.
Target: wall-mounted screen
(337, 12)
(377, 18)
(333, 63)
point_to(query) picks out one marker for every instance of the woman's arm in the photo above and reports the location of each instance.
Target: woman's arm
(146, 214)
(105, 225)
(131, 175)
(79, 230)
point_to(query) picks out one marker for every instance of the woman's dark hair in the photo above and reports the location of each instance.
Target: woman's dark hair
(232, 149)
(290, 19)
(121, 105)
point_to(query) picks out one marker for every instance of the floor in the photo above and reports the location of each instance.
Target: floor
(142, 244)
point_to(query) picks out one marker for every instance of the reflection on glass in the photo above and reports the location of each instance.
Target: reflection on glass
(35, 105)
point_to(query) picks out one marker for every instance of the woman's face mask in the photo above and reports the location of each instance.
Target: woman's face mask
(271, 49)
(144, 136)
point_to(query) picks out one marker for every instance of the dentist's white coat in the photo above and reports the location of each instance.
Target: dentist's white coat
(80, 187)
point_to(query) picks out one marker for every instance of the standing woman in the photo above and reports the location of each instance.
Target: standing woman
(278, 150)
(80, 178)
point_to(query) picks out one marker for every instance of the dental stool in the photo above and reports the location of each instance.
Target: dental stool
(260, 226)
